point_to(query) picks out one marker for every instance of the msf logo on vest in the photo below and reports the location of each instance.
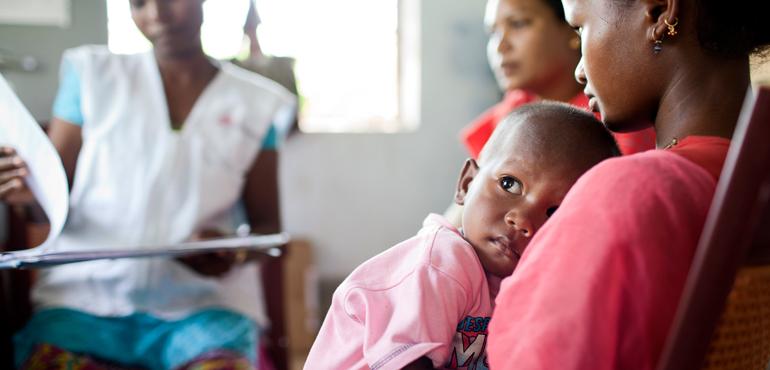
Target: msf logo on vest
(470, 343)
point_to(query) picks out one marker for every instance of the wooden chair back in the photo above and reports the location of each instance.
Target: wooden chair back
(723, 319)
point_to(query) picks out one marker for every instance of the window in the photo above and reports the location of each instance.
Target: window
(221, 33)
(356, 61)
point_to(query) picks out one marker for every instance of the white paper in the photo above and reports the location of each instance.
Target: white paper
(46, 179)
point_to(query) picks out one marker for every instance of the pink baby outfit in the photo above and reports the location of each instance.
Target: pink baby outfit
(426, 296)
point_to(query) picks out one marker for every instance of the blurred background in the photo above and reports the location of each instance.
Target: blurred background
(384, 88)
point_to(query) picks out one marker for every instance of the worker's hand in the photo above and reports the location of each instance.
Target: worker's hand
(13, 170)
(213, 264)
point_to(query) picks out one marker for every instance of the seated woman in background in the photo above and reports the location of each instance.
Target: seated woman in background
(278, 69)
(158, 148)
(599, 286)
(533, 53)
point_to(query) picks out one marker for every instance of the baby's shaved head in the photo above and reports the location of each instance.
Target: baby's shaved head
(522, 176)
(561, 131)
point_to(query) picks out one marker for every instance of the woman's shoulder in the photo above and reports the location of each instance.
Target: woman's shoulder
(626, 211)
(90, 50)
(99, 53)
(99, 60)
(656, 184)
(651, 169)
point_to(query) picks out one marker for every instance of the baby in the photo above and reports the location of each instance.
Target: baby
(427, 301)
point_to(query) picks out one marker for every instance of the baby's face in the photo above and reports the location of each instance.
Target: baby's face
(510, 196)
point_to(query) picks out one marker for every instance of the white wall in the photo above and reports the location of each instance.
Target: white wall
(46, 44)
(355, 195)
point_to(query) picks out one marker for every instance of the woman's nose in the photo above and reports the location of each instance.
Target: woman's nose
(158, 11)
(501, 41)
(580, 73)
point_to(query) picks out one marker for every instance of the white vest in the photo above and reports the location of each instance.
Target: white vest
(138, 182)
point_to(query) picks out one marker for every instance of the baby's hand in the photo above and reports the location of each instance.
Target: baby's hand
(13, 170)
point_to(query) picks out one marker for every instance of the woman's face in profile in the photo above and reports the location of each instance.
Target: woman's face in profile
(172, 26)
(529, 46)
(618, 67)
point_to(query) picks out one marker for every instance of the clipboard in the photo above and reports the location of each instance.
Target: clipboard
(36, 258)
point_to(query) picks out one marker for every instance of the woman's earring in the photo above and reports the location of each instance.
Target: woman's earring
(657, 47)
(671, 27)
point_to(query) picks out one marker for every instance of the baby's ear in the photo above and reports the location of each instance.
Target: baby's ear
(470, 169)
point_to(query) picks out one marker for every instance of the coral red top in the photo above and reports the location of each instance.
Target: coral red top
(598, 286)
(476, 134)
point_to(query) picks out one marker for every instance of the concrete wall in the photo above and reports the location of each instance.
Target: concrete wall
(46, 43)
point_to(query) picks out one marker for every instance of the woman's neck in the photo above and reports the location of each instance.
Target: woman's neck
(184, 78)
(188, 67)
(703, 99)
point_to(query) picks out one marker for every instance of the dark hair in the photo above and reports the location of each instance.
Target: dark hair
(586, 123)
(733, 28)
(575, 130)
(557, 8)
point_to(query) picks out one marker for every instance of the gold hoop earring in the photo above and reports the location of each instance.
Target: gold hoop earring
(671, 27)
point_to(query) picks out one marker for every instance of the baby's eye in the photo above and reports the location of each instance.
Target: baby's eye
(550, 211)
(511, 185)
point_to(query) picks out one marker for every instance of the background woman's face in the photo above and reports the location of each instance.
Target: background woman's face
(529, 46)
(172, 26)
(617, 64)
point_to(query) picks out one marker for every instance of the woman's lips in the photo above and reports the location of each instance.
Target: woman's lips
(509, 68)
(593, 103)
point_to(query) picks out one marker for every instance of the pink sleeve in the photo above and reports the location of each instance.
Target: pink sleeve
(416, 318)
(390, 327)
(598, 287)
